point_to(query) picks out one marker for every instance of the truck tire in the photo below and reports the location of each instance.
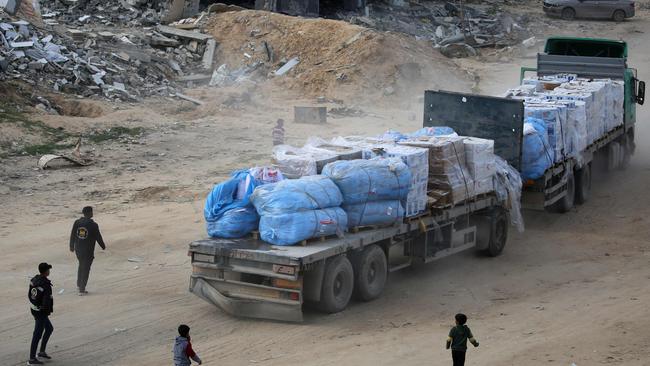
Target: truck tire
(618, 16)
(498, 233)
(338, 283)
(583, 184)
(568, 14)
(370, 273)
(565, 204)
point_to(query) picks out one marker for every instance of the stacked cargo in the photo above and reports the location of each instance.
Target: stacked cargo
(374, 191)
(449, 179)
(480, 160)
(576, 112)
(416, 159)
(299, 209)
(365, 182)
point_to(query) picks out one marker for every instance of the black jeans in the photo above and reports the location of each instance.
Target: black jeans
(83, 272)
(458, 357)
(42, 328)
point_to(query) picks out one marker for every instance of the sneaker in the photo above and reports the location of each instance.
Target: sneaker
(34, 361)
(82, 293)
(44, 355)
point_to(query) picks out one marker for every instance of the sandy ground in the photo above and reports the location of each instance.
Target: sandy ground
(571, 289)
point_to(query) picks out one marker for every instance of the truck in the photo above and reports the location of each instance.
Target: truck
(249, 278)
(567, 182)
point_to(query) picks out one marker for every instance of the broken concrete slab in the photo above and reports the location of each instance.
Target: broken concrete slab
(171, 31)
(288, 66)
(189, 99)
(208, 55)
(25, 44)
(194, 77)
(160, 40)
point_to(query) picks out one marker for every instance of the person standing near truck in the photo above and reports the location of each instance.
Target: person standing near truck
(85, 233)
(42, 305)
(278, 133)
(457, 340)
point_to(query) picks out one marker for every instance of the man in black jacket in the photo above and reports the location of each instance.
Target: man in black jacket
(42, 305)
(85, 233)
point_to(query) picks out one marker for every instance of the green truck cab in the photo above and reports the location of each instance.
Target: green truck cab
(501, 119)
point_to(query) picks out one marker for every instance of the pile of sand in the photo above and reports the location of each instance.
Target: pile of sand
(337, 59)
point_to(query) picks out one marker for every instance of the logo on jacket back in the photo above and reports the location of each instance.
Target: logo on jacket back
(82, 233)
(34, 293)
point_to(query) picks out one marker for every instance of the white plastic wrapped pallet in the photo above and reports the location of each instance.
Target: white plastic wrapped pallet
(295, 162)
(481, 164)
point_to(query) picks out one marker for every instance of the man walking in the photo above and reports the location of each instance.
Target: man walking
(85, 233)
(42, 305)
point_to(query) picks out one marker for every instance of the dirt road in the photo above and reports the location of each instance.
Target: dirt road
(572, 288)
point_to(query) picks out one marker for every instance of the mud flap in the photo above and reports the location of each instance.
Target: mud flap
(246, 308)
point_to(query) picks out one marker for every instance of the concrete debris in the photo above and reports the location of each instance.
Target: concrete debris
(458, 50)
(481, 25)
(189, 99)
(116, 12)
(126, 64)
(223, 76)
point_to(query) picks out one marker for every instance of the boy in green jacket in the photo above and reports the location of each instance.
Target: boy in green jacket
(457, 340)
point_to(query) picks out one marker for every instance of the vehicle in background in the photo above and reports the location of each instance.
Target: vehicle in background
(617, 10)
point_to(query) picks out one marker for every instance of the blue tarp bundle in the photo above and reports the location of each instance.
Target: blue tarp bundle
(292, 227)
(537, 155)
(432, 131)
(374, 213)
(299, 209)
(391, 135)
(307, 193)
(362, 181)
(220, 219)
(234, 223)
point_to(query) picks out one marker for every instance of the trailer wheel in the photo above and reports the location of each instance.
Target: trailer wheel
(565, 204)
(370, 273)
(498, 233)
(338, 283)
(583, 184)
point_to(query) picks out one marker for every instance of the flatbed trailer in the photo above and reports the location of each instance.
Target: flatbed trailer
(250, 278)
(568, 181)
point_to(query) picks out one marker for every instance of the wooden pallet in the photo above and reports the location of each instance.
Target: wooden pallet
(321, 239)
(357, 229)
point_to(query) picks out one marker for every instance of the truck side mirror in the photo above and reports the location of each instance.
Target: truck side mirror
(640, 94)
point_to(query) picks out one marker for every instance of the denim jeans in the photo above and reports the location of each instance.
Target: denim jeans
(42, 329)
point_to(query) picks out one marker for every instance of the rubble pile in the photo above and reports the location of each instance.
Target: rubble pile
(456, 31)
(127, 66)
(107, 12)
